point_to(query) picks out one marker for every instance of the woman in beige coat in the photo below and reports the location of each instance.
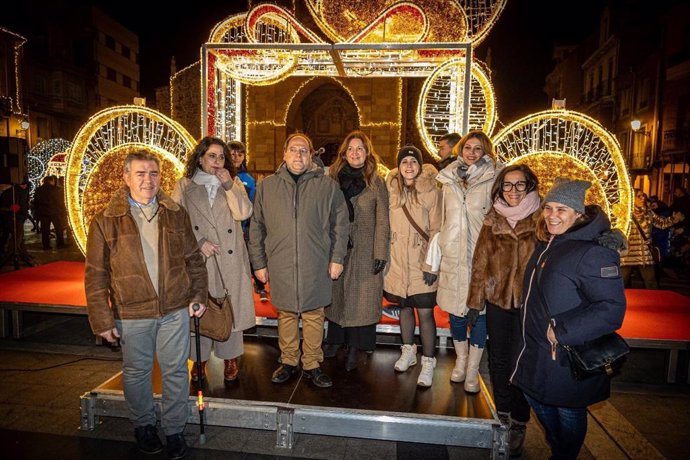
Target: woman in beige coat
(412, 188)
(217, 203)
(356, 307)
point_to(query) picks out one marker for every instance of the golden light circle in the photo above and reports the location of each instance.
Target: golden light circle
(94, 162)
(441, 103)
(106, 176)
(548, 165)
(571, 144)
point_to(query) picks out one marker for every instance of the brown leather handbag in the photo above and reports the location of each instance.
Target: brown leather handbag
(216, 322)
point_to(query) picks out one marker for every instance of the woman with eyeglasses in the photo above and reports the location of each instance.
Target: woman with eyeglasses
(505, 244)
(217, 203)
(466, 186)
(639, 255)
(356, 307)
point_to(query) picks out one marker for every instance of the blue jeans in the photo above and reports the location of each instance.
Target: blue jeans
(565, 428)
(166, 339)
(458, 330)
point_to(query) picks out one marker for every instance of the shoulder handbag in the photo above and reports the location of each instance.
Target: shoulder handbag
(599, 356)
(656, 253)
(216, 322)
(421, 232)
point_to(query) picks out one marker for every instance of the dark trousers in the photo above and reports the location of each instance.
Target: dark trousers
(45, 231)
(565, 427)
(505, 340)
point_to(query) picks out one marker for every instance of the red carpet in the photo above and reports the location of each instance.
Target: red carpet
(651, 314)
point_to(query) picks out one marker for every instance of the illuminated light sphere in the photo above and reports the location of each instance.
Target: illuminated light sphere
(449, 20)
(95, 161)
(39, 156)
(570, 144)
(441, 102)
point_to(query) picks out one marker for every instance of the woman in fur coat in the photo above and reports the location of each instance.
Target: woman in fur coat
(505, 244)
(412, 188)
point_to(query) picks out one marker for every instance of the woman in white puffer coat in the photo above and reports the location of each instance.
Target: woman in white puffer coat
(466, 185)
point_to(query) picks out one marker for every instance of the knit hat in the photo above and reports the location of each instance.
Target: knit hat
(409, 151)
(570, 192)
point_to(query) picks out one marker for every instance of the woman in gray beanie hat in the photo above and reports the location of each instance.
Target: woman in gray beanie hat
(573, 294)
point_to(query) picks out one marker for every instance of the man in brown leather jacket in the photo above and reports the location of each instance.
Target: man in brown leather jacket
(144, 273)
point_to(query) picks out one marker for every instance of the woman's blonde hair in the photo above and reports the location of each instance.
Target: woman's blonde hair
(487, 145)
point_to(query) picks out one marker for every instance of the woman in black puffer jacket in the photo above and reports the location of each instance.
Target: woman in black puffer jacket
(573, 294)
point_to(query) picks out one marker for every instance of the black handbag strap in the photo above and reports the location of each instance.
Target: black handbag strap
(414, 224)
(639, 227)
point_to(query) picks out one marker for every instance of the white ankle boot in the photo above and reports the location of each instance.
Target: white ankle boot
(458, 374)
(427, 375)
(472, 379)
(407, 358)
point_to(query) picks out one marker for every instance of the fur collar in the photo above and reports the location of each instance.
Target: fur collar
(500, 226)
(425, 183)
(119, 205)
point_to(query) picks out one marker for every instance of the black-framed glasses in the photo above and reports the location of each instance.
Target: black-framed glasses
(520, 186)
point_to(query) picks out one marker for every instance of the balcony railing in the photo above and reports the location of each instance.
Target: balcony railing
(675, 139)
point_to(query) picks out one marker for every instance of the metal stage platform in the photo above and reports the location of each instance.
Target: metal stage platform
(371, 402)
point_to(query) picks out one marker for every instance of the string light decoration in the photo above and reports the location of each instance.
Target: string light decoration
(441, 107)
(268, 44)
(449, 20)
(570, 144)
(16, 103)
(39, 156)
(95, 160)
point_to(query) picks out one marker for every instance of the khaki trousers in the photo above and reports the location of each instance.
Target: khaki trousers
(312, 333)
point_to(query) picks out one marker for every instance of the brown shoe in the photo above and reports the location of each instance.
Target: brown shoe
(195, 375)
(231, 369)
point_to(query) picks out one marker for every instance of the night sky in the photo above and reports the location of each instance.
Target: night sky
(520, 43)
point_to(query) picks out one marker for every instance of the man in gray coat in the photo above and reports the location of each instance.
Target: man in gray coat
(298, 234)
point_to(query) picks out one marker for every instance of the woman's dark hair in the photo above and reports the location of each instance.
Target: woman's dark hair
(238, 146)
(530, 177)
(200, 149)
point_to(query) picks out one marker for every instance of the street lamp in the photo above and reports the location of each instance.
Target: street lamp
(636, 125)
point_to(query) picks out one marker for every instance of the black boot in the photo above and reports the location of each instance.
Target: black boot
(330, 350)
(351, 362)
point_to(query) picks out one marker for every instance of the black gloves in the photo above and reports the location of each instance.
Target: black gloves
(613, 239)
(429, 278)
(472, 316)
(379, 265)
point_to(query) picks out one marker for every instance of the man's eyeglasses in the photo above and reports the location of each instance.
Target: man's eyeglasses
(301, 150)
(520, 186)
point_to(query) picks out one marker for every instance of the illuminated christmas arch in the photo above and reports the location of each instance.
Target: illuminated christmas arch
(564, 143)
(95, 161)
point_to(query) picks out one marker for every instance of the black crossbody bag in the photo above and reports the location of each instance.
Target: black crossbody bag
(595, 357)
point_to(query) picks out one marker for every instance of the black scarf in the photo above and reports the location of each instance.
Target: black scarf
(352, 184)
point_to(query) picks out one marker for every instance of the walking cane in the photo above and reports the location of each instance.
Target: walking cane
(200, 395)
